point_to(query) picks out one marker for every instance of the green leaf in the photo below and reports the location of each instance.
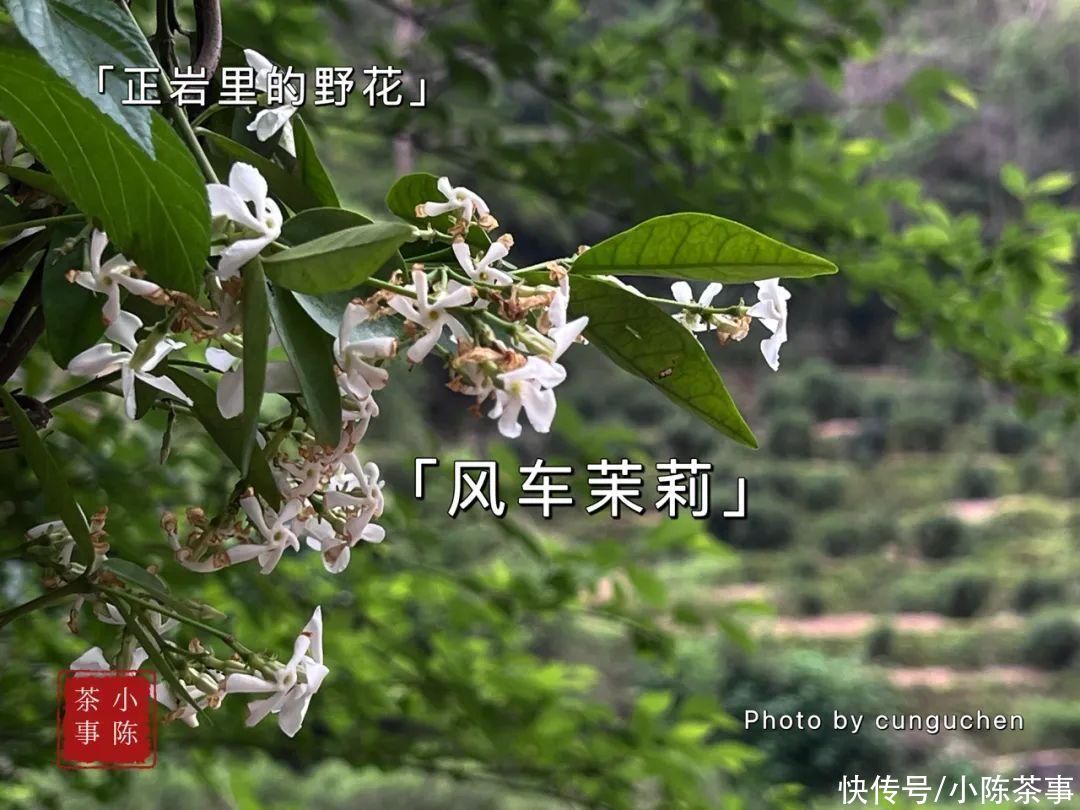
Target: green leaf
(644, 340)
(57, 494)
(136, 575)
(897, 118)
(316, 222)
(286, 187)
(75, 37)
(327, 309)
(310, 350)
(647, 584)
(72, 313)
(411, 190)
(1053, 183)
(962, 93)
(699, 247)
(227, 434)
(337, 261)
(39, 180)
(256, 338)
(309, 168)
(155, 211)
(1014, 180)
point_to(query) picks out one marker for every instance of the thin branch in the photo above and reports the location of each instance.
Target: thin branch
(208, 36)
(15, 351)
(75, 587)
(86, 388)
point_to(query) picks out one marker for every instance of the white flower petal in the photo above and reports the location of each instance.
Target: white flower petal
(92, 659)
(99, 359)
(230, 394)
(682, 292)
(249, 184)
(220, 359)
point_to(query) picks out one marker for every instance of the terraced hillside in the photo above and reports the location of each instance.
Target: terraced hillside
(924, 541)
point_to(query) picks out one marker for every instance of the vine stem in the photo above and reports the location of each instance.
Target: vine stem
(98, 384)
(206, 114)
(736, 309)
(177, 114)
(395, 288)
(228, 638)
(74, 587)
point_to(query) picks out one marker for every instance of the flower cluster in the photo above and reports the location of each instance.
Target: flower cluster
(501, 332)
(206, 680)
(771, 309)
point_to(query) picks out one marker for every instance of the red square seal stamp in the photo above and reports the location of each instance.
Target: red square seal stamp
(106, 719)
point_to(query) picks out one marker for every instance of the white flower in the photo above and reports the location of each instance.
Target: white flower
(527, 388)
(694, 321)
(93, 659)
(618, 282)
(178, 709)
(563, 333)
(335, 548)
(230, 390)
(357, 489)
(9, 144)
(239, 553)
(42, 529)
(358, 377)
(280, 378)
(108, 278)
(260, 222)
(772, 310)
(432, 316)
(462, 202)
(269, 121)
(135, 362)
(290, 697)
(275, 529)
(9, 141)
(483, 270)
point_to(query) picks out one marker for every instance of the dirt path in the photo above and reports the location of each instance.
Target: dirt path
(943, 679)
(853, 625)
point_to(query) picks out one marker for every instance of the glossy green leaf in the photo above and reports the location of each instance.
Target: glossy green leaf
(72, 313)
(316, 222)
(287, 187)
(227, 434)
(309, 168)
(256, 313)
(411, 190)
(75, 37)
(57, 494)
(643, 339)
(310, 350)
(327, 309)
(155, 211)
(699, 247)
(337, 261)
